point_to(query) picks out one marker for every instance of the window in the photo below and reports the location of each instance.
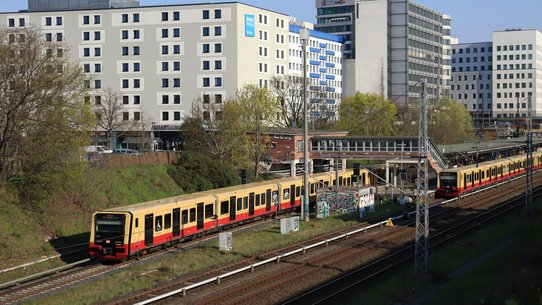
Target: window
(192, 214)
(165, 33)
(137, 116)
(158, 223)
(97, 100)
(176, 82)
(97, 35)
(48, 37)
(86, 36)
(205, 48)
(59, 37)
(164, 16)
(165, 66)
(218, 82)
(165, 99)
(165, 82)
(165, 50)
(206, 98)
(176, 115)
(137, 67)
(124, 34)
(165, 116)
(218, 14)
(125, 83)
(136, 50)
(176, 66)
(125, 99)
(86, 68)
(97, 52)
(224, 207)
(218, 48)
(125, 116)
(205, 14)
(206, 65)
(218, 98)
(184, 217)
(137, 99)
(176, 32)
(58, 20)
(176, 16)
(176, 49)
(97, 84)
(218, 31)
(218, 65)
(21, 22)
(97, 19)
(125, 67)
(136, 34)
(49, 21)
(208, 210)
(135, 17)
(176, 99)
(86, 20)
(167, 221)
(124, 51)
(205, 31)
(206, 82)
(98, 68)
(86, 52)
(137, 83)
(124, 18)
(11, 22)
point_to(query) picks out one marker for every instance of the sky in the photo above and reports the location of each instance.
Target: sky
(472, 20)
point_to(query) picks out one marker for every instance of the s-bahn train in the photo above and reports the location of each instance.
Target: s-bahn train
(119, 233)
(455, 181)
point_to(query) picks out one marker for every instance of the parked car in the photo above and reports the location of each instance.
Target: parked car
(97, 149)
(126, 151)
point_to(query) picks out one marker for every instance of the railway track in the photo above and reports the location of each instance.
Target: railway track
(295, 275)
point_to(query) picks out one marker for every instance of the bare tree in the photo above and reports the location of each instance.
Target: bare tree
(41, 101)
(108, 109)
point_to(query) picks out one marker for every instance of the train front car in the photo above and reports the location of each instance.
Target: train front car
(447, 185)
(109, 236)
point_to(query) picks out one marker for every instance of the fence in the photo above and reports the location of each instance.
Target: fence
(122, 160)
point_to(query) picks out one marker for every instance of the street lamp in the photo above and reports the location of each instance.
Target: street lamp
(304, 37)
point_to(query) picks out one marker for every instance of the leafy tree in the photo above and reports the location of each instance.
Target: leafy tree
(43, 117)
(449, 123)
(256, 108)
(367, 114)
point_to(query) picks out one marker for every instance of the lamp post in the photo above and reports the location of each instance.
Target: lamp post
(304, 37)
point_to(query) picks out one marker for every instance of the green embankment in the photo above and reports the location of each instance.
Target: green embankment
(27, 235)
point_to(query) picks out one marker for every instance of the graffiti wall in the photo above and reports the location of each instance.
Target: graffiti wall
(347, 200)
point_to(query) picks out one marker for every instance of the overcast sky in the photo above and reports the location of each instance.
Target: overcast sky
(472, 20)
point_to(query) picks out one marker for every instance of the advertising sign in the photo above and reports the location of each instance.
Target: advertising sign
(250, 28)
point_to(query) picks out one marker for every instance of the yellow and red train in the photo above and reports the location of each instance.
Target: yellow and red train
(455, 181)
(119, 233)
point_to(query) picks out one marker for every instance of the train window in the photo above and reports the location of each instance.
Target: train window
(245, 203)
(184, 217)
(239, 204)
(257, 199)
(223, 207)
(208, 211)
(263, 198)
(297, 191)
(312, 188)
(341, 181)
(286, 194)
(302, 190)
(158, 223)
(192, 214)
(167, 221)
(334, 182)
(137, 222)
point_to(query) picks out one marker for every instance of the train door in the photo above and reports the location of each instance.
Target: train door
(250, 204)
(199, 216)
(464, 181)
(268, 200)
(232, 208)
(176, 222)
(149, 229)
(292, 195)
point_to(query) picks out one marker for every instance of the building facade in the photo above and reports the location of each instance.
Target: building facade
(471, 82)
(517, 73)
(323, 70)
(161, 59)
(397, 43)
(337, 17)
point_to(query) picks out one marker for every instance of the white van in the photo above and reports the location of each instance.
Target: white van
(97, 149)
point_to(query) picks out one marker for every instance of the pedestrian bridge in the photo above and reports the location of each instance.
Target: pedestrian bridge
(381, 148)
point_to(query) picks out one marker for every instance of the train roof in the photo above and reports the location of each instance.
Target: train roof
(482, 164)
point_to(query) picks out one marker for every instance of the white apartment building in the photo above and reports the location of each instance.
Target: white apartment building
(517, 73)
(323, 70)
(396, 44)
(471, 82)
(160, 59)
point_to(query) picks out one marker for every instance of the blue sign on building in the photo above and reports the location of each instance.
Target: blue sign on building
(250, 29)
